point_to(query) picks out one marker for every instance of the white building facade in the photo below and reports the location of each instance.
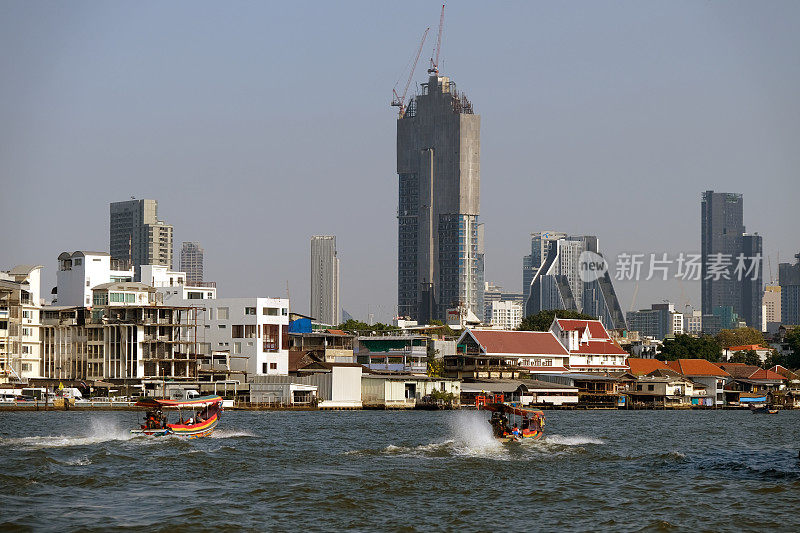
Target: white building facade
(506, 314)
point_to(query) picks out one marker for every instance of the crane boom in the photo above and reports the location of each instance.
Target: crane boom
(400, 100)
(435, 59)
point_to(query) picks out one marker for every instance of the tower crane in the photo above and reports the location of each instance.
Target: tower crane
(399, 100)
(435, 58)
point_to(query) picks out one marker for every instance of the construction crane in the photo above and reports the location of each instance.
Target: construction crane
(399, 100)
(435, 57)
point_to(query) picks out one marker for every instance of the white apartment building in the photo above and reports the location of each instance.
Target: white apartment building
(590, 347)
(677, 323)
(20, 308)
(506, 314)
(255, 331)
(175, 283)
(78, 272)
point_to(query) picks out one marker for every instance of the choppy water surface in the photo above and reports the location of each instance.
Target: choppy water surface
(607, 470)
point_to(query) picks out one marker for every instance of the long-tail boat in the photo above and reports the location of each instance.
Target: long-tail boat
(530, 425)
(196, 417)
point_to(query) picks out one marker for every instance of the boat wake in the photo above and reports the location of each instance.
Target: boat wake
(99, 431)
(229, 434)
(571, 441)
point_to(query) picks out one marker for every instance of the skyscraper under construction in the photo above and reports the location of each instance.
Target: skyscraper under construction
(440, 242)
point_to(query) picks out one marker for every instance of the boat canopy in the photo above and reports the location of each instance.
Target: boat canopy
(200, 401)
(513, 409)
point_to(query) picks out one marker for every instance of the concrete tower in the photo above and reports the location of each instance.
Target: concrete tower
(137, 235)
(192, 262)
(723, 240)
(440, 248)
(325, 280)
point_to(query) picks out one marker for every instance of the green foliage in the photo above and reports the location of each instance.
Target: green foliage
(748, 357)
(688, 347)
(792, 360)
(356, 326)
(739, 337)
(448, 397)
(541, 321)
(444, 330)
(435, 365)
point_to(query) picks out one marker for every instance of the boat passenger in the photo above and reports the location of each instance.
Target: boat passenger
(515, 431)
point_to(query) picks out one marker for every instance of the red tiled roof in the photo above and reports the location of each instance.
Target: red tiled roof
(641, 367)
(783, 371)
(746, 347)
(336, 332)
(696, 367)
(519, 342)
(766, 374)
(600, 348)
(596, 329)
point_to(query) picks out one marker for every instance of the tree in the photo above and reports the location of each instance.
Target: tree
(740, 337)
(688, 347)
(435, 364)
(356, 326)
(792, 360)
(542, 320)
(748, 357)
(444, 330)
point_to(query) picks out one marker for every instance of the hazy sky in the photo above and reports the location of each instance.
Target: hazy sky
(256, 125)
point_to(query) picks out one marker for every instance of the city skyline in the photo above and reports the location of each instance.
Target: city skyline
(713, 111)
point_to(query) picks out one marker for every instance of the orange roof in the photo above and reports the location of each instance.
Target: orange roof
(746, 347)
(336, 332)
(696, 367)
(600, 347)
(766, 374)
(641, 367)
(519, 342)
(596, 329)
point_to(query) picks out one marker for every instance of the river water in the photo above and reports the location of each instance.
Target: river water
(410, 471)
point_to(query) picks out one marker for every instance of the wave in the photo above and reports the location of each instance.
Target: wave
(99, 431)
(230, 434)
(571, 441)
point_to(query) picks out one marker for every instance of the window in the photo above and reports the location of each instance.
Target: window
(26, 332)
(250, 331)
(284, 311)
(26, 367)
(249, 310)
(222, 313)
(651, 387)
(78, 261)
(193, 295)
(210, 295)
(273, 366)
(264, 368)
(237, 331)
(87, 282)
(270, 311)
(237, 347)
(26, 314)
(222, 326)
(270, 334)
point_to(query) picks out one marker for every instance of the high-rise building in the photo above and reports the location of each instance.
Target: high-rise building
(771, 306)
(558, 283)
(541, 242)
(192, 262)
(137, 236)
(660, 321)
(723, 243)
(789, 280)
(440, 249)
(506, 314)
(325, 280)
